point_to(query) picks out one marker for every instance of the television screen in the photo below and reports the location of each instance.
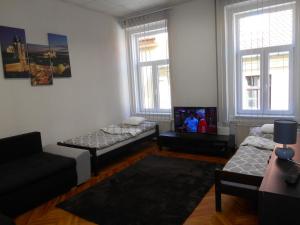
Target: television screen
(195, 119)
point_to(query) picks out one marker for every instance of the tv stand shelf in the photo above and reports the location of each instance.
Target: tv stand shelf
(206, 143)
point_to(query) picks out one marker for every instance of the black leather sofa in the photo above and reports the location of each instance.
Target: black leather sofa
(4, 220)
(29, 176)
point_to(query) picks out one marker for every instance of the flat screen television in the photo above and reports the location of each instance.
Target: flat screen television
(195, 120)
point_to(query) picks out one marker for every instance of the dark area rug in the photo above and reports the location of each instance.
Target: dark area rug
(154, 191)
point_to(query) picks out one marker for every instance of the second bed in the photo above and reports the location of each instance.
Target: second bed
(106, 140)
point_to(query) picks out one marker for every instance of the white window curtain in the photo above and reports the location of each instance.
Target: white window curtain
(149, 72)
(258, 54)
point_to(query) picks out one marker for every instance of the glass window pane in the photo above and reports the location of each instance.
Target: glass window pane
(265, 30)
(279, 81)
(146, 88)
(153, 47)
(251, 82)
(164, 87)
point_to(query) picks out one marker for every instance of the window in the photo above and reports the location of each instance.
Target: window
(149, 51)
(263, 40)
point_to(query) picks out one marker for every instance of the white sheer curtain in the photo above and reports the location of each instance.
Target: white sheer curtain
(148, 54)
(256, 42)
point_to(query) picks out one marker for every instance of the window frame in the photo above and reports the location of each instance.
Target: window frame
(136, 65)
(263, 52)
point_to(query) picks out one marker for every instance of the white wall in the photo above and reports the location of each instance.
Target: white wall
(93, 97)
(193, 54)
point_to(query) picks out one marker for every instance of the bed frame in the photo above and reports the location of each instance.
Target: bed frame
(96, 159)
(235, 184)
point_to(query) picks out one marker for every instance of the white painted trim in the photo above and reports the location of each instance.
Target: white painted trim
(233, 55)
(133, 33)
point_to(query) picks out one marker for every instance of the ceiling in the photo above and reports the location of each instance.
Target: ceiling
(121, 8)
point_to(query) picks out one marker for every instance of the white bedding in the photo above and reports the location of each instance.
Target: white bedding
(259, 142)
(100, 139)
(120, 144)
(252, 156)
(114, 129)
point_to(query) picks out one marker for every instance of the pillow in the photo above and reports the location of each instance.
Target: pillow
(267, 128)
(134, 120)
(255, 131)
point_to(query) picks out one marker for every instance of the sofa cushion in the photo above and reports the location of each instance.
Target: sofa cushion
(5, 220)
(16, 147)
(16, 174)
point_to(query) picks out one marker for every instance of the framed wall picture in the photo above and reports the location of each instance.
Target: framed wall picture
(60, 59)
(39, 64)
(13, 51)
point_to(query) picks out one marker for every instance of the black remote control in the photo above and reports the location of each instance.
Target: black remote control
(292, 176)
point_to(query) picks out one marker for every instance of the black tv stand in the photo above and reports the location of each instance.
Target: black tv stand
(204, 143)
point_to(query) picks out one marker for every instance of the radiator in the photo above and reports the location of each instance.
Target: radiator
(165, 125)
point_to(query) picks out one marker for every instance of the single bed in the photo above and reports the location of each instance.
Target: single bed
(118, 137)
(243, 173)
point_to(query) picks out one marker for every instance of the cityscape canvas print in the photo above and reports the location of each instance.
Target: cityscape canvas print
(39, 64)
(60, 59)
(13, 50)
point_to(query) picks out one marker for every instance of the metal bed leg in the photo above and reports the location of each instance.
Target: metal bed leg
(218, 197)
(94, 162)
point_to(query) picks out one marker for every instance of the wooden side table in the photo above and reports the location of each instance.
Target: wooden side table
(279, 203)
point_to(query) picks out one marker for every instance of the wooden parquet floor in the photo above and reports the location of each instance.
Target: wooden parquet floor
(236, 211)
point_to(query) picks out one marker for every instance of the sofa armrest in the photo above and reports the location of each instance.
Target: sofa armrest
(82, 158)
(4, 220)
